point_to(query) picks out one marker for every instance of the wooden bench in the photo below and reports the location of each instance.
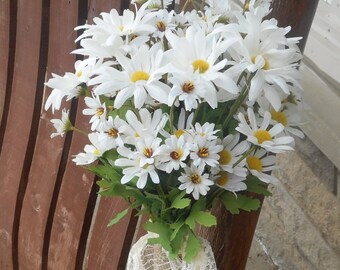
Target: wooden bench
(50, 214)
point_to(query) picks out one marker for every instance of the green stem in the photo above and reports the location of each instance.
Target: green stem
(79, 131)
(196, 113)
(202, 5)
(239, 101)
(194, 5)
(171, 120)
(185, 5)
(246, 154)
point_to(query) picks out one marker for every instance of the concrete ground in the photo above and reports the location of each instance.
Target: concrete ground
(299, 226)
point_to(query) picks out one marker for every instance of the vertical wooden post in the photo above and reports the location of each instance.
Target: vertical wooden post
(298, 14)
(231, 239)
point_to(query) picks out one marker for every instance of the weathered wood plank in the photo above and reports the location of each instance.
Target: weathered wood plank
(16, 136)
(105, 244)
(71, 206)
(4, 53)
(73, 197)
(47, 155)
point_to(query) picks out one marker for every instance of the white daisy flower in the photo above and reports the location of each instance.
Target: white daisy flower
(142, 125)
(173, 154)
(112, 132)
(232, 151)
(287, 115)
(105, 37)
(70, 85)
(267, 139)
(62, 125)
(201, 52)
(163, 23)
(139, 78)
(204, 152)
(265, 52)
(92, 151)
(190, 88)
(207, 131)
(97, 110)
(194, 181)
(230, 181)
(220, 8)
(260, 165)
(140, 163)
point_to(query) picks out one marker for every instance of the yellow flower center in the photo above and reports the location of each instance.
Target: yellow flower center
(223, 180)
(79, 73)
(139, 76)
(100, 111)
(136, 135)
(188, 87)
(96, 152)
(262, 136)
(200, 65)
(179, 133)
(176, 155)
(266, 65)
(148, 152)
(203, 152)
(254, 163)
(195, 178)
(121, 28)
(225, 157)
(113, 132)
(161, 26)
(279, 117)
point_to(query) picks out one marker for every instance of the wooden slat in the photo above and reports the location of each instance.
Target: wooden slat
(16, 137)
(71, 206)
(106, 244)
(108, 247)
(47, 155)
(4, 52)
(74, 192)
(298, 14)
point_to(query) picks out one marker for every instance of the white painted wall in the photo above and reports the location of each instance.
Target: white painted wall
(321, 80)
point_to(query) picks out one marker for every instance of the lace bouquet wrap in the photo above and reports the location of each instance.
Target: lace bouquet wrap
(184, 109)
(144, 256)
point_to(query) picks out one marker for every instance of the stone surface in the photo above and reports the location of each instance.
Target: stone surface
(299, 226)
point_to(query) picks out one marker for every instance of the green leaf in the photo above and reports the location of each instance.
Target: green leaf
(255, 185)
(111, 155)
(192, 248)
(233, 204)
(106, 171)
(118, 217)
(180, 203)
(206, 219)
(198, 216)
(163, 231)
(178, 241)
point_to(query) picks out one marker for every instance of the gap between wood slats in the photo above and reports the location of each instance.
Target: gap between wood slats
(13, 7)
(86, 226)
(82, 14)
(54, 200)
(34, 127)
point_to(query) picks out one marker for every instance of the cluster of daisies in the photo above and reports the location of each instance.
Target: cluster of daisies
(152, 77)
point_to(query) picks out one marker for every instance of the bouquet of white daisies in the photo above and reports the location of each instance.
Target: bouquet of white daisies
(184, 109)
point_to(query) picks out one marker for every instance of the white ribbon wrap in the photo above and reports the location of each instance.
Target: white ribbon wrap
(143, 256)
